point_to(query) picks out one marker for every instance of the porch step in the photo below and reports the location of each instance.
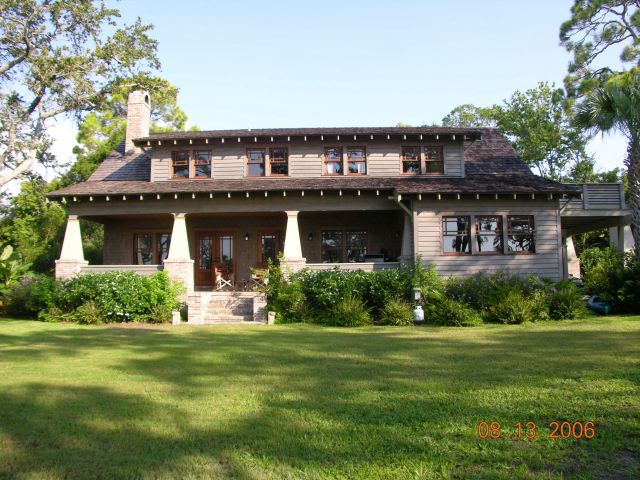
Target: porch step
(228, 319)
(226, 307)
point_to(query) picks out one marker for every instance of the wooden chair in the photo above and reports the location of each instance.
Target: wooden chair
(223, 278)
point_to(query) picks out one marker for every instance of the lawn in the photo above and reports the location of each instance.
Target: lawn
(311, 402)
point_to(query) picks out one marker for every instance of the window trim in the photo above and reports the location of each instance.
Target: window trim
(426, 161)
(532, 226)
(325, 161)
(476, 234)
(365, 161)
(155, 244)
(403, 160)
(247, 162)
(286, 162)
(469, 234)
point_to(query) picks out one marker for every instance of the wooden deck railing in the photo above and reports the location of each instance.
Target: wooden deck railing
(597, 196)
(140, 269)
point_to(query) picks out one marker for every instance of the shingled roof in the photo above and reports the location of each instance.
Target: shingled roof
(491, 166)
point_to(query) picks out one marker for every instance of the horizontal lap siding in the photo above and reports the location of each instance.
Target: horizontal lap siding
(383, 160)
(545, 262)
(160, 165)
(228, 162)
(453, 160)
(305, 161)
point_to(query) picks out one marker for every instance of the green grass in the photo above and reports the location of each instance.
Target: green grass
(312, 402)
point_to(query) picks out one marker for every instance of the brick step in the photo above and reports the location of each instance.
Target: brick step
(244, 309)
(228, 319)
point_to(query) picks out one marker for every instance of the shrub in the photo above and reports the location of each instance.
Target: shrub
(432, 287)
(512, 307)
(89, 313)
(565, 302)
(629, 291)
(348, 312)
(452, 313)
(31, 295)
(120, 296)
(592, 256)
(379, 287)
(161, 313)
(396, 312)
(285, 297)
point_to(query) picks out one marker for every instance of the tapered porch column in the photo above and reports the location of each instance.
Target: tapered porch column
(573, 262)
(407, 234)
(179, 264)
(293, 259)
(71, 258)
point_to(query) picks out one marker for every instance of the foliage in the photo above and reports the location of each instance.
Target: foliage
(426, 279)
(12, 268)
(31, 295)
(616, 279)
(285, 296)
(566, 301)
(350, 311)
(596, 27)
(121, 296)
(89, 313)
(396, 312)
(513, 307)
(629, 292)
(591, 257)
(453, 313)
(161, 313)
(538, 126)
(60, 57)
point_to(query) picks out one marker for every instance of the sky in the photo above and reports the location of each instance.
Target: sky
(256, 64)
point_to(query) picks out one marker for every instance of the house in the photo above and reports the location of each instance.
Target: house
(210, 206)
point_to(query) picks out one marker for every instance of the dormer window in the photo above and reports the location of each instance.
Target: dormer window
(357, 160)
(279, 161)
(411, 160)
(180, 165)
(202, 164)
(433, 160)
(333, 161)
(255, 162)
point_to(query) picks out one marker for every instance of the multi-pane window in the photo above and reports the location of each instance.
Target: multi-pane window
(180, 165)
(456, 234)
(202, 164)
(268, 248)
(255, 162)
(279, 161)
(433, 160)
(356, 246)
(357, 160)
(520, 234)
(489, 234)
(333, 161)
(411, 160)
(332, 246)
(150, 248)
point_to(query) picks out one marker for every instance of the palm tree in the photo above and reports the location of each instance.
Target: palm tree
(616, 106)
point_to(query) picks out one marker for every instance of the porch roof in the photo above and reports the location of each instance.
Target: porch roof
(494, 183)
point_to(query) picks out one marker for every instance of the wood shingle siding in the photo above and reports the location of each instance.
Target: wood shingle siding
(545, 262)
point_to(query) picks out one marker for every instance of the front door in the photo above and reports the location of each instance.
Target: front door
(214, 251)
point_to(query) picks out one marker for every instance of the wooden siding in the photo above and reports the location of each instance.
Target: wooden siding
(545, 262)
(305, 159)
(597, 196)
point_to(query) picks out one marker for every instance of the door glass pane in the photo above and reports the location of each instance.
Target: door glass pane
(226, 251)
(144, 249)
(332, 247)
(356, 246)
(205, 253)
(164, 240)
(269, 248)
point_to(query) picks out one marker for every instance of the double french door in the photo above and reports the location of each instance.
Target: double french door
(215, 252)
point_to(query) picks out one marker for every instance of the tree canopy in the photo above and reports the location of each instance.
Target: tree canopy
(61, 57)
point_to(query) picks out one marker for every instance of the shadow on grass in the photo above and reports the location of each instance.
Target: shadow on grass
(308, 402)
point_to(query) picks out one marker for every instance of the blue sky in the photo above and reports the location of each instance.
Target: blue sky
(252, 64)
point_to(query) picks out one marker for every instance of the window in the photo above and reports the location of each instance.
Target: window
(202, 164)
(357, 160)
(433, 160)
(456, 236)
(411, 160)
(356, 246)
(333, 161)
(332, 246)
(255, 163)
(279, 161)
(520, 234)
(150, 248)
(489, 234)
(269, 248)
(180, 164)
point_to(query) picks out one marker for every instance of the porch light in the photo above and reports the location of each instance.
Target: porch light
(310, 237)
(417, 294)
(246, 237)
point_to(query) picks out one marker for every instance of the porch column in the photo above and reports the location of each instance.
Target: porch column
(71, 258)
(573, 262)
(407, 234)
(616, 237)
(293, 259)
(179, 264)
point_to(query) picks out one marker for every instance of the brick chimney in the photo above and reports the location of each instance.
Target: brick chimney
(138, 119)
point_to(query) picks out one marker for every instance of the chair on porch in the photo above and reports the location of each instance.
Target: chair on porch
(223, 278)
(259, 278)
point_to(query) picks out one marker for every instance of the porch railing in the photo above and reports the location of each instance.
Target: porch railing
(366, 266)
(139, 269)
(597, 196)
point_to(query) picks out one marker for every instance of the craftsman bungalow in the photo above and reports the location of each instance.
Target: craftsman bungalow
(211, 206)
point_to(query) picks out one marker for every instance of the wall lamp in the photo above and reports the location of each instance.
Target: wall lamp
(310, 237)
(246, 236)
